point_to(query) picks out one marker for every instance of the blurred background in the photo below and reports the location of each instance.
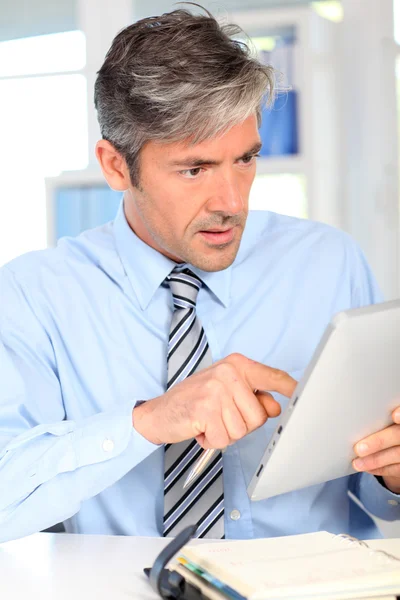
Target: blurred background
(331, 141)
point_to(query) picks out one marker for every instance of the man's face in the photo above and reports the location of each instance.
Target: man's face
(192, 201)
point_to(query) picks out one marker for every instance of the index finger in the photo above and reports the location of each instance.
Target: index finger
(269, 379)
(388, 437)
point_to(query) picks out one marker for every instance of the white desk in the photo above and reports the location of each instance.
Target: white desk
(49, 566)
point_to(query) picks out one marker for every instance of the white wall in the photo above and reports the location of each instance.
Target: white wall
(369, 136)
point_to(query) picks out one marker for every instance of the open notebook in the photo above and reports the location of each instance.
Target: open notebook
(315, 565)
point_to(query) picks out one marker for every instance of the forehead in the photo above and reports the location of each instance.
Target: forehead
(237, 140)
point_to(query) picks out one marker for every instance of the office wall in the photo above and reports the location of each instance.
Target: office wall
(24, 18)
(144, 9)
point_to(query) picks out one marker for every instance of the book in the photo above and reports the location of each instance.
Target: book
(309, 566)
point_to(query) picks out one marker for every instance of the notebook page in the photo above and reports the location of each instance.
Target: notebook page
(303, 566)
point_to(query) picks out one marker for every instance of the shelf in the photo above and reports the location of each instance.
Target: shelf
(82, 177)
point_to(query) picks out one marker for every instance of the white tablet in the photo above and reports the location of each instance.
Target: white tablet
(348, 391)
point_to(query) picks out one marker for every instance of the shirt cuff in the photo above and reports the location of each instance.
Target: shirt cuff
(378, 499)
(107, 435)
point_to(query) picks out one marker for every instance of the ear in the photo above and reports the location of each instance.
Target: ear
(113, 165)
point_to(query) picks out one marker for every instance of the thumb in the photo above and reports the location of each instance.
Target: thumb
(271, 406)
(200, 439)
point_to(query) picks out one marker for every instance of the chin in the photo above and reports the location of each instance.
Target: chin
(213, 263)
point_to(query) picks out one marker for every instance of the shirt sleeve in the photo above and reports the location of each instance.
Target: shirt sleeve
(377, 499)
(49, 465)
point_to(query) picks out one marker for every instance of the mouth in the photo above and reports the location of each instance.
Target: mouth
(218, 236)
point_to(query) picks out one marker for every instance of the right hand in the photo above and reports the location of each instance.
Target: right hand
(217, 405)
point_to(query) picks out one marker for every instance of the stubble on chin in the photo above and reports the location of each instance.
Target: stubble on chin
(212, 259)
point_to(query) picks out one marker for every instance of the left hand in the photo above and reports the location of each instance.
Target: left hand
(379, 454)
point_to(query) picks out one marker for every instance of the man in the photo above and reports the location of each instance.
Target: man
(126, 351)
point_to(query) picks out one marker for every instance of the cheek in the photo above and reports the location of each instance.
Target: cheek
(247, 182)
(181, 208)
(175, 215)
(170, 206)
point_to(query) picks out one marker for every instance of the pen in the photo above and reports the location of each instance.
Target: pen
(201, 463)
(199, 466)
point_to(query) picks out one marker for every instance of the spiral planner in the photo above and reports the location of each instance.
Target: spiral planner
(308, 566)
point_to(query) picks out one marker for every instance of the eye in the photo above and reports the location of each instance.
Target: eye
(191, 173)
(247, 160)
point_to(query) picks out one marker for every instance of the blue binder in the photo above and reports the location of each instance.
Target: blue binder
(279, 127)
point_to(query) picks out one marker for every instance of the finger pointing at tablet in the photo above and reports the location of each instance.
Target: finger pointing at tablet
(217, 405)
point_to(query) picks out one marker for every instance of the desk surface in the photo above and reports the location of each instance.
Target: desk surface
(49, 566)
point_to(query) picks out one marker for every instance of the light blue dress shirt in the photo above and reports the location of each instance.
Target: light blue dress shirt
(83, 336)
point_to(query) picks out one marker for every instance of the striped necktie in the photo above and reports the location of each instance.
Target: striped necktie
(203, 501)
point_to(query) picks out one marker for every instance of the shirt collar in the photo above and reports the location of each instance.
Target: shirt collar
(147, 268)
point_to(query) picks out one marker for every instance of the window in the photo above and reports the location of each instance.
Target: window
(44, 131)
(282, 193)
(55, 53)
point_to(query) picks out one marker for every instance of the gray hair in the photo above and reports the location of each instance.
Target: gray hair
(174, 77)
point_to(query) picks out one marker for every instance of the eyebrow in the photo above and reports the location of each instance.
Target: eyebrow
(198, 161)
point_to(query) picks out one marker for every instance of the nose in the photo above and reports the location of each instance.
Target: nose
(226, 196)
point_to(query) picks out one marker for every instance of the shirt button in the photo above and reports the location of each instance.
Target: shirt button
(108, 445)
(235, 515)
(393, 502)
